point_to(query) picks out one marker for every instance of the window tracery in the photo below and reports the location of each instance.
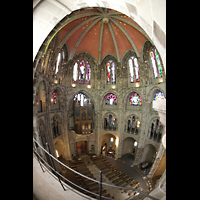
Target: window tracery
(135, 99)
(111, 74)
(81, 72)
(155, 130)
(159, 96)
(110, 122)
(133, 125)
(156, 63)
(111, 99)
(133, 69)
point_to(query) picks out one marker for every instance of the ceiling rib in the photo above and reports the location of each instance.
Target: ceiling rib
(71, 19)
(75, 29)
(100, 42)
(127, 35)
(133, 25)
(114, 40)
(82, 35)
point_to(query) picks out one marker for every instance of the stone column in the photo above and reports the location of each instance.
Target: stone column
(160, 188)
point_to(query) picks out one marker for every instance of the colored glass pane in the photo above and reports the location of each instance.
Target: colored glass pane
(131, 71)
(113, 73)
(75, 72)
(82, 72)
(111, 77)
(111, 99)
(153, 64)
(136, 70)
(159, 96)
(88, 74)
(135, 100)
(158, 63)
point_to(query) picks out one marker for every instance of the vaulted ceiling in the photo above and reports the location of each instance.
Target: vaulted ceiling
(101, 31)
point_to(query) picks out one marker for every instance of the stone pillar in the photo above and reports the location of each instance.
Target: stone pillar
(160, 107)
(160, 188)
(65, 129)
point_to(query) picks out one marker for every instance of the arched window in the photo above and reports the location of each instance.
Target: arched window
(156, 63)
(155, 130)
(61, 58)
(133, 69)
(159, 95)
(111, 99)
(111, 74)
(110, 123)
(135, 99)
(133, 125)
(81, 72)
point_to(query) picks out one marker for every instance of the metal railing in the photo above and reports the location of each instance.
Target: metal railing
(58, 176)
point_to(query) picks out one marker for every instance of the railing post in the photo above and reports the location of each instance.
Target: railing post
(52, 163)
(100, 184)
(38, 156)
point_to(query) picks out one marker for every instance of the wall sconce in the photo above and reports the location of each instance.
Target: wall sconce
(89, 86)
(137, 85)
(55, 81)
(113, 87)
(73, 85)
(160, 80)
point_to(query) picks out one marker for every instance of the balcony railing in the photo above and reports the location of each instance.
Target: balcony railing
(58, 176)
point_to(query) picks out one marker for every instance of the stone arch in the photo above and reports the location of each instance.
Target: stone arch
(128, 145)
(149, 153)
(125, 57)
(152, 93)
(56, 125)
(106, 141)
(59, 94)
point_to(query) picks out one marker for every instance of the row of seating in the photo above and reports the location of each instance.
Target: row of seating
(85, 183)
(115, 176)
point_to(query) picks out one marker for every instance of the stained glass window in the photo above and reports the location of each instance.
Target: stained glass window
(53, 97)
(135, 100)
(133, 69)
(111, 76)
(156, 63)
(159, 96)
(138, 124)
(88, 72)
(111, 99)
(75, 72)
(58, 63)
(82, 72)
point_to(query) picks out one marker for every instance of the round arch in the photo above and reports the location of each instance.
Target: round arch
(128, 145)
(152, 93)
(149, 154)
(77, 92)
(131, 11)
(108, 142)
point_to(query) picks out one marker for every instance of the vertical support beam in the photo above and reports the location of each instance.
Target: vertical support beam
(100, 184)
